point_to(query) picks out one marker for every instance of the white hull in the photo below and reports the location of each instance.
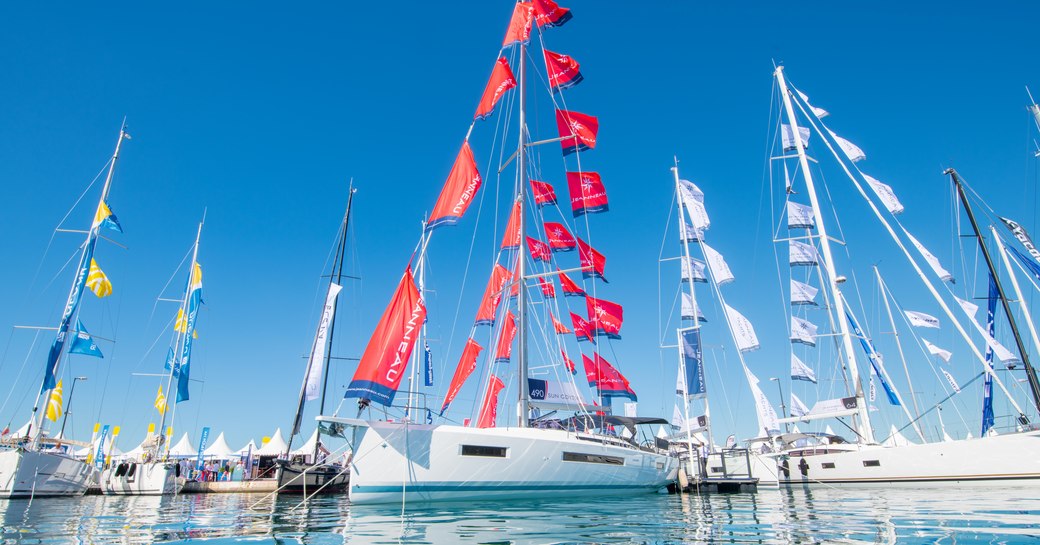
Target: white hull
(425, 463)
(1012, 459)
(141, 479)
(36, 474)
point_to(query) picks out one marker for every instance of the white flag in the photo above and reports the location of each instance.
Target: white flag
(967, 306)
(678, 421)
(933, 262)
(820, 112)
(693, 199)
(797, 407)
(873, 389)
(631, 409)
(885, 193)
(694, 269)
(801, 371)
(803, 294)
(690, 310)
(1002, 353)
(787, 137)
(949, 377)
(743, 331)
(851, 150)
(317, 360)
(719, 268)
(800, 253)
(936, 351)
(688, 234)
(803, 331)
(799, 216)
(920, 319)
(767, 420)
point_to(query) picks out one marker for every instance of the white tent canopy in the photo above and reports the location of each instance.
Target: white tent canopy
(275, 447)
(307, 449)
(183, 448)
(220, 450)
(149, 439)
(92, 449)
(249, 448)
(896, 439)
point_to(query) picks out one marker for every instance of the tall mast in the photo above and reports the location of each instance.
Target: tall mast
(72, 304)
(521, 168)
(338, 272)
(899, 346)
(1034, 386)
(863, 426)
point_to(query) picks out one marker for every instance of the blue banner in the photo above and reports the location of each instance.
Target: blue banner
(202, 447)
(99, 457)
(171, 362)
(692, 360)
(83, 343)
(872, 355)
(194, 302)
(987, 381)
(49, 382)
(1026, 262)
(427, 364)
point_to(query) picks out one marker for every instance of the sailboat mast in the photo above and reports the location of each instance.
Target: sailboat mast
(1034, 385)
(899, 346)
(863, 428)
(521, 169)
(338, 272)
(693, 299)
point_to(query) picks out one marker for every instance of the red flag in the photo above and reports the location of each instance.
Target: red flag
(605, 317)
(564, 71)
(505, 339)
(544, 193)
(514, 291)
(492, 295)
(547, 13)
(588, 195)
(548, 289)
(462, 185)
(489, 407)
(520, 24)
(560, 239)
(592, 262)
(569, 363)
(606, 378)
(467, 363)
(501, 81)
(511, 238)
(560, 328)
(539, 250)
(582, 328)
(577, 130)
(570, 289)
(385, 358)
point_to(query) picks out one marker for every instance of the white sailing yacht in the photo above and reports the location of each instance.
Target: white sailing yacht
(158, 474)
(35, 465)
(1010, 457)
(401, 458)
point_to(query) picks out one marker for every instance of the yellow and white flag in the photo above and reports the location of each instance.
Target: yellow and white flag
(160, 402)
(97, 281)
(54, 406)
(181, 324)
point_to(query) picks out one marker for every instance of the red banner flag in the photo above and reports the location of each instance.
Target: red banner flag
(588, 196)
(558, 326)
(582, 328)
(505, 339)
(544, 194)
(520, 24)
(385, 358)
(501, 81)
(539, 250)
(492, 295)
(514, 291)
(462, 185)
(511, 238)
(548, 289)
(547, 13)
(560, 239)
(564, 71)
(577, 130)
(467, 363)
(606, 378)
(592, 262)
(570, 289)
(489, 407)
(605, 317)
(567, 362)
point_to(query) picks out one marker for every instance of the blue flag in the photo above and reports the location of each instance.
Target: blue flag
(202, 446)
(427, 364)
(875, 362)
(987, 384)
(83, 343)
(693, 362)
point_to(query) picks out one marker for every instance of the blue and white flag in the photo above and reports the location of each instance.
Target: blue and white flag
(875, 360)
(427, 365)
(194, 302)
(99, 457)
(692, 361)
(801, 371)
(202, 446)
(171, 362)
(83, 343)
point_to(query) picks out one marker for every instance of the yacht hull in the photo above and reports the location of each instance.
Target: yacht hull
(296, 478)
(26, 474)
(141, 479)
(432, 463)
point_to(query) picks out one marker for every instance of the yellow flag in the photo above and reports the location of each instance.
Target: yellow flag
(160, 402)
(181, 324)
(54, 405)
(103, 211)
(97, 281)
(151, 425)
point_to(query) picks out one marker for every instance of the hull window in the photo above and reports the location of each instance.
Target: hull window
(871, 463)
(593, 458)
(827, 465)
(477, 450)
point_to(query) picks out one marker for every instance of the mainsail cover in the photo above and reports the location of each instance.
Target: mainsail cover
(563, 70)
(467, 364)
(607, 380)
(501, 81)
(492, 295)
(588, 195)
(385, 358)
(489, 407)
(577, 130)
(459, 190)
(605, 317)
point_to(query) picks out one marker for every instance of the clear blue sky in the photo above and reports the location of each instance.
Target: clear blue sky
(260, 114)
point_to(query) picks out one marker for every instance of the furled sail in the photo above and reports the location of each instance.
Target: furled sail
(316, 361)
(459, 190)
(577, 130)
(588, 196)
(467, 364)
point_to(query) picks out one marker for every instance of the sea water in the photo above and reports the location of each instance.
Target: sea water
(827, 515)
